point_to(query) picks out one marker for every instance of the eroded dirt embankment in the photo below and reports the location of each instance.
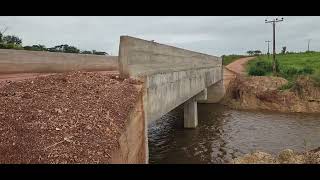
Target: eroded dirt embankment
(76, 117)
(263, 93)
(286, 156)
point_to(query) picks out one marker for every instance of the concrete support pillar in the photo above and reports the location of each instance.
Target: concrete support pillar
(191, 113)
(214, 93)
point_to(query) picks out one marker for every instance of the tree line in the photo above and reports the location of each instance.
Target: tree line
(254, 52)
(14, 42)
(258, 52)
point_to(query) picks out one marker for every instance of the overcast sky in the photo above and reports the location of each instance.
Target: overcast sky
(215, 35)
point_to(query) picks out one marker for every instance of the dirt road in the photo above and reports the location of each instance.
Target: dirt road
(237, 67)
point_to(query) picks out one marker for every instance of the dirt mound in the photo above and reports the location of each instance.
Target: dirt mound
(286, 156)
(64, 118)
(263, 93)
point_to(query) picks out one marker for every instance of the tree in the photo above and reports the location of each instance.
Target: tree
(55, 49)
(257, 52)
(284, 49)
(27, 48)
(2, 33)
(86, 52)
(70, 49)
(64, 48)
(38, 47)
(99, 52)
(12, 40)
(250, 52)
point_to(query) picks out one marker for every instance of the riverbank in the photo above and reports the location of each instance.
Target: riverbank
(286, 156)
(294, 94)
(266, 93)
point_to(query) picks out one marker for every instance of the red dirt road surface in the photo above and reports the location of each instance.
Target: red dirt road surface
(233, 69)
(64, 118)
(238, 66)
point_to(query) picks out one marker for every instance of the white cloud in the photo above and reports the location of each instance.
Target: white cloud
(214, 35)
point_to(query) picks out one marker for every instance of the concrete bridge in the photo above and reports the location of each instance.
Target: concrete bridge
(171, 76)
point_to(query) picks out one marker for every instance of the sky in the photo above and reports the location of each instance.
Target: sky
(215, 35)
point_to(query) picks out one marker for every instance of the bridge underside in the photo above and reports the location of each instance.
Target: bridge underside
(166, 91)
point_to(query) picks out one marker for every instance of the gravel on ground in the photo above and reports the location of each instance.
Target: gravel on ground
(74, 117)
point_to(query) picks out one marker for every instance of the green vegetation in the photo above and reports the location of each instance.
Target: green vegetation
(10, 42)
(227, 59)
(316, 78)
(290, 66)
(254, 52)
(14, 42)
(289, 85)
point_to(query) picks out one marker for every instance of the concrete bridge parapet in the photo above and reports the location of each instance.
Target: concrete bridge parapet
(172, 76)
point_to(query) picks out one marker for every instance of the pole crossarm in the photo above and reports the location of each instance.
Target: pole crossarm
(274, 21)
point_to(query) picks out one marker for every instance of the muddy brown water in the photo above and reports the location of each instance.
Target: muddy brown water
(224, 134)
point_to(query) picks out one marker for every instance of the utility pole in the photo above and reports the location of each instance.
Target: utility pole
(274, 64)
(268, 48)
(309, 45)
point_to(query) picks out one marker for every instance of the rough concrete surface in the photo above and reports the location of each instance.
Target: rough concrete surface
(132, 142)
(21, 61)
(171, 75)
(138, 57)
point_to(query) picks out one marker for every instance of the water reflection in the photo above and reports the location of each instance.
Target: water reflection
(224, 134)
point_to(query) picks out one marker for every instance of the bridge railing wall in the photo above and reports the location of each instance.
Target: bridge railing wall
(22, 61)
(138, 57)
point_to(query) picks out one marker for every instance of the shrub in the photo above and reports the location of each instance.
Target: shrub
(291, 72)
(289, 85)
(10, 46)
(288, 71)
(307, 70)
(86, 52)
(316, 78)
(264, 65)
(256, 71)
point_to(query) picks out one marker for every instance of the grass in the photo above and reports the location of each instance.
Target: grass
(316, 78)
(290, 66)
(227, 59)
(289, 85)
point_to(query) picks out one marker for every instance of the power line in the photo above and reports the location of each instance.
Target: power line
(274, 64)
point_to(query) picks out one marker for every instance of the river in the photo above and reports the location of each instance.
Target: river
(223, 134)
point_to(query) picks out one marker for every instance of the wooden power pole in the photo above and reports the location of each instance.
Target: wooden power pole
(274, 64)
